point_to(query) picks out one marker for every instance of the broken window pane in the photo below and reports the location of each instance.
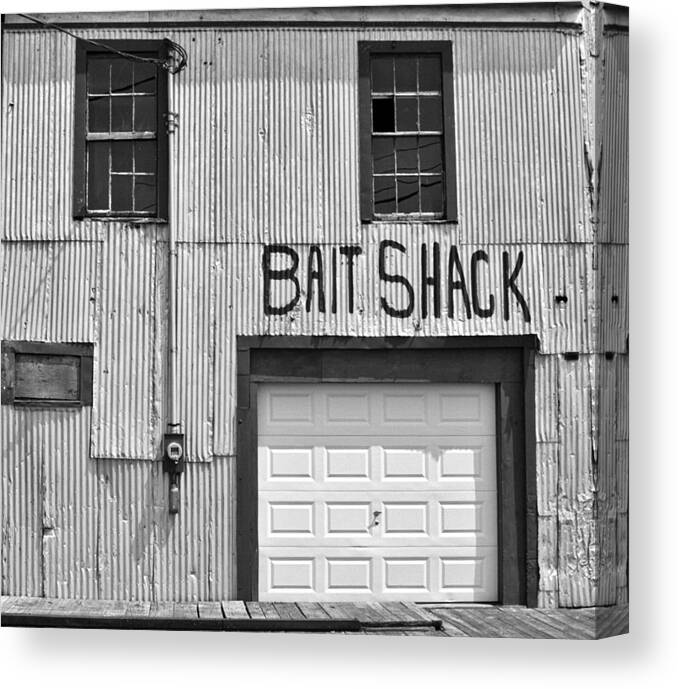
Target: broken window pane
(383, 115)
(384, 195)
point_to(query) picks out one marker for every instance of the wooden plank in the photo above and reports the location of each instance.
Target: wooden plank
(366, 615)
(380, 611)
(270, 613)
(161, 609)
(451, 617)
(186, 611)
(255, 611)
(289, 611)
(234, 610)
(336, 611)
(9, 603)
(137, 609)
(399, 612)
(487, 623)
(313, 611)
(540, 623)
(422, 612)
(210, 610)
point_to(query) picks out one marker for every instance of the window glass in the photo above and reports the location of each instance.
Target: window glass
(407, 134)
(121, 136)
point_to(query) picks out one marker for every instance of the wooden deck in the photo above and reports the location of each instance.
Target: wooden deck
(366, 618)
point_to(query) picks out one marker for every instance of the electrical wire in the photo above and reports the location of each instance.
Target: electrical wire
(168, 65)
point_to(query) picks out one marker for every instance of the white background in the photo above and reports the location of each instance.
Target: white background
(646, 657)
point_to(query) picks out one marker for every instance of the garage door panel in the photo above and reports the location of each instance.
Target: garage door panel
(378, 519)
(389, 463)
(355, 409)
(452, 574)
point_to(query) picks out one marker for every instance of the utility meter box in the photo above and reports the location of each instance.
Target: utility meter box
(173, 453)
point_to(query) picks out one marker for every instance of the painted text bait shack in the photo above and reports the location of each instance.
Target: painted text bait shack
(316, 305)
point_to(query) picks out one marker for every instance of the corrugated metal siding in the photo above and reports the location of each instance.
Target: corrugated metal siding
(613, 294)
(615, 141)
(49, 291)
(125, 421)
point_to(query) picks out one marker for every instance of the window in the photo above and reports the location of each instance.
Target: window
(40, 374)
(120, 147)
(407, 131)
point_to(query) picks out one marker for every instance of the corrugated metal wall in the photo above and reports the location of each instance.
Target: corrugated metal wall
(266, 150)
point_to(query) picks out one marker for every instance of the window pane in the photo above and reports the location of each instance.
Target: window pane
(121, 114)
(144, 77)
(144, 114)
(121, 156)
(384, 195)
(121, 192)
(432, 194)
(429, 73)
(97, 76)
(382, 73)
(145, 156)
(406, 114)
(383, 158)
(408, 194)
(430, 114)
(406, 147)
(406, 73)
(121, 75)
(97, 175)
(97, 120)
(383, 116)
(430, 154)
(144, 194)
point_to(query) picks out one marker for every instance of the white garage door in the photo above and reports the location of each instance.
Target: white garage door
(377, 492)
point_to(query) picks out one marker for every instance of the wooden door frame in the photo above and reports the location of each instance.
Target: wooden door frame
(506, 362)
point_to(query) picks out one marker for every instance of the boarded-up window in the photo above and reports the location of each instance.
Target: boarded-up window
(407, 137)
(46, 374)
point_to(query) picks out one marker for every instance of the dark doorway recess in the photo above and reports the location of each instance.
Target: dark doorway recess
(506, 362)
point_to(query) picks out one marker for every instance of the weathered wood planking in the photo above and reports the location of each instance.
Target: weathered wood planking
(234, 610)
(210, 610)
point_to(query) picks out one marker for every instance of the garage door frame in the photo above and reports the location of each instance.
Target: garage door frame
(507, 362)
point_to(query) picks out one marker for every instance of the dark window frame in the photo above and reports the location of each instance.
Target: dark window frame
(84, 351)
(507, 362)
(366, 49)
(145, 48)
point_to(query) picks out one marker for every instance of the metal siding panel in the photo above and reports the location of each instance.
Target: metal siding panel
(49, 291)
(547, 552)
(22, 456)
(124, 421)
(577, 546)
(546, 398)
(613, 295)
(615, 140)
